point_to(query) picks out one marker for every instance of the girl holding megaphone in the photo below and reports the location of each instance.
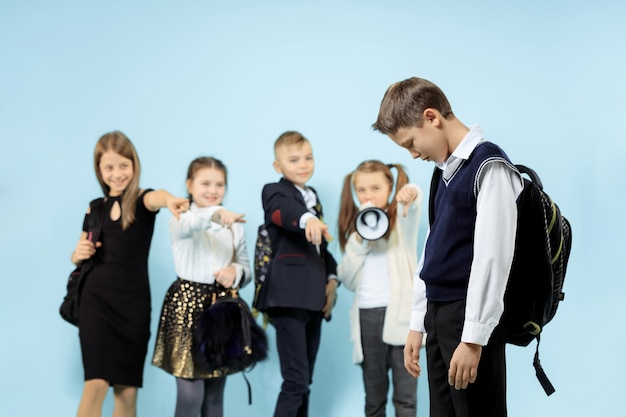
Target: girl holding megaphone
(379, 241)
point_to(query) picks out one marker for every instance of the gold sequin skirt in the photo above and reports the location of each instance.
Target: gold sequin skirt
(184, 301)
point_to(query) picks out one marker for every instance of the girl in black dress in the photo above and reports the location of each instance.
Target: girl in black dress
(114, 311)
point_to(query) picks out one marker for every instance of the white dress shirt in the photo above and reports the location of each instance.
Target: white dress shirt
(202, 247)
(494, 243)
(310, 199)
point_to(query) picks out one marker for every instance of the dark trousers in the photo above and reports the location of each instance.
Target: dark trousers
(378, 359)
(484, 398)
(298, 334)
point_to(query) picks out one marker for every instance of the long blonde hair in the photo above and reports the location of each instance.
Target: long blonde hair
(348, 209)
(119, 143)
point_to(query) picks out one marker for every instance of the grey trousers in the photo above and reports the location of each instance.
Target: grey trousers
(378, 359)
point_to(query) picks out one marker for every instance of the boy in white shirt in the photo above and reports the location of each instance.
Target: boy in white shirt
(462, 276)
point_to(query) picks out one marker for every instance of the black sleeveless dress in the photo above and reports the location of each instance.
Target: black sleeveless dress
(114, 311)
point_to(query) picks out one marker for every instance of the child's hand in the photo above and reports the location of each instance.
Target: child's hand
(226, 276)
(177, 205)
(405, 196)
(464, 365)
(412, 353)
(85, 249)
(316, 229)
(227, 218)
(331, 298)
(365, 205)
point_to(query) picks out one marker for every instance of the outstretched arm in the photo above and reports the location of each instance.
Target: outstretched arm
(227, 218)
(315, 230)
(407, 195)
(155, 200)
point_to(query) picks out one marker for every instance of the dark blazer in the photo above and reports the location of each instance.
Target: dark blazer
(298, 274)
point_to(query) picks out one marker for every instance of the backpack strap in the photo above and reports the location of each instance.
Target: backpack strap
(523, 169)
(540, 373)
(434, 184)
(96, 218)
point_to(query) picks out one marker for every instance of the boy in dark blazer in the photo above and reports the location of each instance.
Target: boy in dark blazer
(300, 288)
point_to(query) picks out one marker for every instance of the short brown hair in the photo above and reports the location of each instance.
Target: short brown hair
(404, 103)
(290, 138)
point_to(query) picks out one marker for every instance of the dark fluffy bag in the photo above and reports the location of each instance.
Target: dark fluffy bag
(76, 281)
(226, 335)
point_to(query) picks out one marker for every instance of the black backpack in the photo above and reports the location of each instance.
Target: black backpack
(262, 258)
(542, 247)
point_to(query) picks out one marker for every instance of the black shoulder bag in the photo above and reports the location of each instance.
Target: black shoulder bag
(76, 281)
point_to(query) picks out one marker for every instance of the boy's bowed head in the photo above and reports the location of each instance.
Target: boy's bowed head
(417, 116)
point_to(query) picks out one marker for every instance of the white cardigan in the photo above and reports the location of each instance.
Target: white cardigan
(201, 247)
(401, 263)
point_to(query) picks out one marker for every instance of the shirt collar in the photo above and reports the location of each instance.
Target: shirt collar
(308, 195)
(462, 151)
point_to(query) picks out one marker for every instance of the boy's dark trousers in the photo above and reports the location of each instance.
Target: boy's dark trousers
(298, 334)
(484, 398)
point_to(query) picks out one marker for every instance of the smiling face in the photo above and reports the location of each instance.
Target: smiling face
(207, 187)
(295, 162)
(116, 172)
(372, 187)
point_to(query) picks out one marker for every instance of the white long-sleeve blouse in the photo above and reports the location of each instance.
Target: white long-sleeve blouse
(201, 247)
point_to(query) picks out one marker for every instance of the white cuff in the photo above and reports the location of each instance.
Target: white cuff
(303, 219)
(474, 332)
(417, 321)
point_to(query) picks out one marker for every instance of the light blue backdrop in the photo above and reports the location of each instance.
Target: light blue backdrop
(545, 79)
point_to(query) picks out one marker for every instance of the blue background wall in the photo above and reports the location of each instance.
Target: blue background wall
(181, 79)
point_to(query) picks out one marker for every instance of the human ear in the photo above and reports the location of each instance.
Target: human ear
(188, 183)
(277, 167)
(432, 116)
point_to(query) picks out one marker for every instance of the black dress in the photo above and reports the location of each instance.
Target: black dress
(115, 306)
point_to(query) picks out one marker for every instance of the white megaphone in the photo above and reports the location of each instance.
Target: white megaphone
(372, 223)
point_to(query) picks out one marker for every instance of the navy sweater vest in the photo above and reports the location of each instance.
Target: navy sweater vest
(450, 246)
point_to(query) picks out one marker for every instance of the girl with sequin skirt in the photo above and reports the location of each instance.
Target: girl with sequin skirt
(114, 311)
(208, 243)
